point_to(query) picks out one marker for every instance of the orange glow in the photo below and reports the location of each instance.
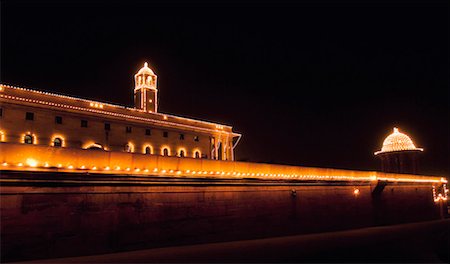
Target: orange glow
(196, 153)
(163, 148)
(179, 152)
(55, 136)
(397, 142)
(145, 146)
(113, 161)
(356, 192)
(2, 136)
(96, 105)
(91, 144)
(442, 195)
(76, 106)
(31, 162)
(131, 146)
(35, 139)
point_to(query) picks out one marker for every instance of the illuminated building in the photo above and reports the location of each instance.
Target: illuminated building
(47, 119)
(399, 154)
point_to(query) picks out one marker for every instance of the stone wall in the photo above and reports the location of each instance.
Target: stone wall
(74, 218)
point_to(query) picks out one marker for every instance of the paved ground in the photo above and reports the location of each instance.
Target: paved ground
(417, 242)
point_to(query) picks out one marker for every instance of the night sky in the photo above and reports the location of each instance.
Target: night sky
(312, 83)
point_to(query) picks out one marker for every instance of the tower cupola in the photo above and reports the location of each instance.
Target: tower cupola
(399, 154)
(145, 90)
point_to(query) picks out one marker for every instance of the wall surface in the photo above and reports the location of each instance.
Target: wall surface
(58, 202)
(74, 214)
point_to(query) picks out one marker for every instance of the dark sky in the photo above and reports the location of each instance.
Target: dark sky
(312, 83)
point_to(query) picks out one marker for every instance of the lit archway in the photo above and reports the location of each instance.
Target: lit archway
(29, 139)
(197, 154)
(181, 152)
(58, 141)
(165, 151)
(147, 149)
(129, 147)
(92, 145)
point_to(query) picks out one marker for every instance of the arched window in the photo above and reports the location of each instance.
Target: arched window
(28, 139)
(95, 146)
(197, 154)
(139, 80)
(181, 153)
(127, 148)
(148, 150)
(165, 152)
(57, 142)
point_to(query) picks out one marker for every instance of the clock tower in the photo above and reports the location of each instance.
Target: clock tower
(145, 91)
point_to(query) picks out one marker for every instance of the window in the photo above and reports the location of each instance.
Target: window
(165, 134)
(107, 126)
(1, 112)
(57, 142)
(148, 150)
(127, 148)
(165, 152)
(29, 116)
(196, 138)
(95, 146)
(84, 123)
(181, 136)
(181, 153)
(197, 154)
(28, 139)
(148, 132)
(128, 129)
(58, 119)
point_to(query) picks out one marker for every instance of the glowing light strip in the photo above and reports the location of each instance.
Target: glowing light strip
(2, 86)
(441, 196)
(36, 165)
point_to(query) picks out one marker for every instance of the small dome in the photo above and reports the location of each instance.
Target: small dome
(397, 142)
(145, 70)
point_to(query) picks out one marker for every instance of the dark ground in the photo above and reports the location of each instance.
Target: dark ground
(424, 242)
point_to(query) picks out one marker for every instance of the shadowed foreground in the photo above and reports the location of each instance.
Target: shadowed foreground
(417, 242)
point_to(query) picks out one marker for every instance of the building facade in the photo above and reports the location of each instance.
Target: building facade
(35, 117)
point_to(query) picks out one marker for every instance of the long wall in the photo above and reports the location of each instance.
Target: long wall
(54, 214)
(49, 212)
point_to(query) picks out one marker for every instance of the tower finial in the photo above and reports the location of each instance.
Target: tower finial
(395, 130)
(145, 64)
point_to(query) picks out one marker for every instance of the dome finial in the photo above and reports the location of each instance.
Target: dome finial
(145, 64)
(395, 130)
